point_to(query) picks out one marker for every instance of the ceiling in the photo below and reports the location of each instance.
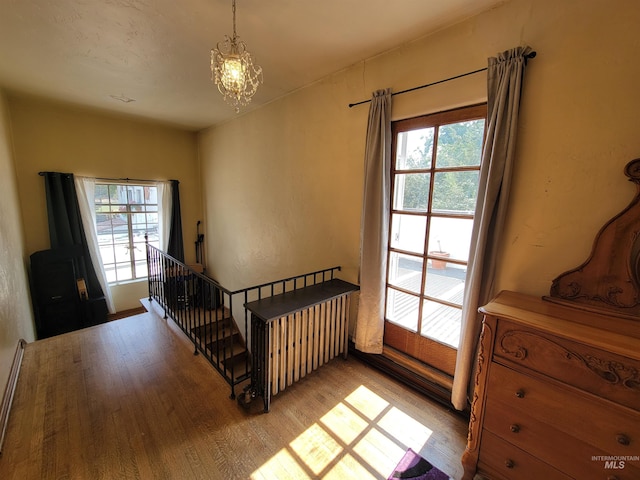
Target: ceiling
(151, 58)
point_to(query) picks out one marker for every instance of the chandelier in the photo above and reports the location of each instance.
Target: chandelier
(232, 70)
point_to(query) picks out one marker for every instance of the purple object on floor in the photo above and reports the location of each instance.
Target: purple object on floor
(414, 467)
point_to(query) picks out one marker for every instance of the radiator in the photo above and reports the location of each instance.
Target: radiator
(302, 342)
(295, 333)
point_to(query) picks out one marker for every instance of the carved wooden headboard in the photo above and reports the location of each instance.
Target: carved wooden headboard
(609, 281)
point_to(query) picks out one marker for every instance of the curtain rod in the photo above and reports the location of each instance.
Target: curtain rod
(117, 179)
(530, 55)
(129, 180)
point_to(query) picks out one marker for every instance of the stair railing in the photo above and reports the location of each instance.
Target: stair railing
(204, 309)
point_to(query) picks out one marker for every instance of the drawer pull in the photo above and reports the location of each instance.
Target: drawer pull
(623, 439)
(612, 477)
(509, 463)
(515, 428)
(520, 393)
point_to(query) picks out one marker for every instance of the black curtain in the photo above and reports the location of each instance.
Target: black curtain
(176, 245)
(65, 225)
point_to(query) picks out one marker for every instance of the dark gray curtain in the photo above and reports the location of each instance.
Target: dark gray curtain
(176, 245)
(65, 224)
(504, 85)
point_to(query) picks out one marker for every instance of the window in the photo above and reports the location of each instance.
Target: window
(124, 215)
(435, 173)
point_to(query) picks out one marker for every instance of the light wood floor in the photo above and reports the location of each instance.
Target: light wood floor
(128, 399)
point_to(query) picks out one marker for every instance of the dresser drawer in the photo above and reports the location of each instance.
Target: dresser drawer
(602, 373)
(566, 453)
(602, 424)
(500, 459)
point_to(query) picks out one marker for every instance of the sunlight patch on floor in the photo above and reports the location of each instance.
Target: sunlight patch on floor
(344, 423)
(379, 451)
(404, 427)
(281, 466)
(361, 437)
(349, 467)
(316, 447)
(366, 402)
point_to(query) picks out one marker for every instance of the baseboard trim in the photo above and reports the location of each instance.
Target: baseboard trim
(10, 389)
(431, 383)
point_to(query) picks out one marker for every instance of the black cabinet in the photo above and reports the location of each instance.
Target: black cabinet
(60, 305)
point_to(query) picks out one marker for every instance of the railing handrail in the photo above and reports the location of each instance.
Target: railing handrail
(192, 271)
(246, 289)
(189, 319)
(285, 280)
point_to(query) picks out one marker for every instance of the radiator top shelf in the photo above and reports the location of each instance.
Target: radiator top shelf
(271, 308)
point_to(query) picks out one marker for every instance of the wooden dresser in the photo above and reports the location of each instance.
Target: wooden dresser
(557, 394)
(557, 385)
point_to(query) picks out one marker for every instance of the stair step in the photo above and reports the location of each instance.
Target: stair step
(236, 359)
(211, 316)
(221, 337)
(211, 332)
(225, 343)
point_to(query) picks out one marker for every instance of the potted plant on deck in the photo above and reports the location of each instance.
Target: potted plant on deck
(439, 263)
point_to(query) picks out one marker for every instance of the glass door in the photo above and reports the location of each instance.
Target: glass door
(435, 173)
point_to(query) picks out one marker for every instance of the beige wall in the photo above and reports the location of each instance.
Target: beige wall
(283, 196)
(284, 183)
(16, 319)
(51, 137)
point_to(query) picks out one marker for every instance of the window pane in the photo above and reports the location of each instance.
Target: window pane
(101, 194)
(402, 309)
(455, 192)
(414, 149)
(141, 268)
(154, 238)
(450, 237)
(103, 224)
(405, 271)
(411, 192)
(121, 252)
(441, 323)
(138, 218)
(118, 194)
(124, 214)
(446, 284)
(151, 195)
(119, 227)
(106, 252)
(105, 238)
(407, 232)
(460, 144)
(136, 194)
(110, 271)
(123, 271)
(139, 250)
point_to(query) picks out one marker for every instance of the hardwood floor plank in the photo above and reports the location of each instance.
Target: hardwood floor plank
(129, 400)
